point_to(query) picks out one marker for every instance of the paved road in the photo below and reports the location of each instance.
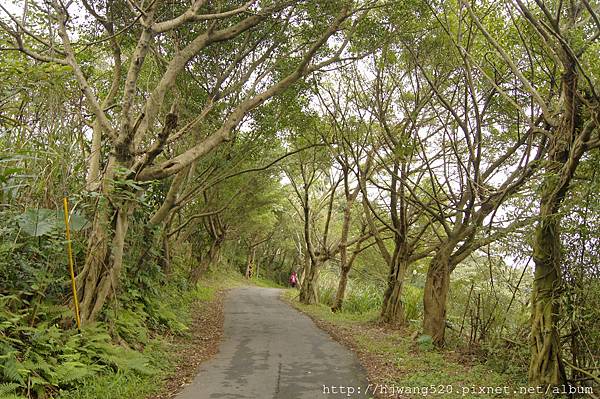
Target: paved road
(270, 350)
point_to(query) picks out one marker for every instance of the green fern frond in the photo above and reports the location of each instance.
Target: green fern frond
(126, 360)
(11, 370)
(69, 372)
(9, 388)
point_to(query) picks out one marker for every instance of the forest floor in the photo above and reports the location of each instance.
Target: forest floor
(398, 366)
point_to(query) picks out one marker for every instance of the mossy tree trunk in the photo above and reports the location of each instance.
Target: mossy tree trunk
(545, 367)
(437, 285)
(101, 272)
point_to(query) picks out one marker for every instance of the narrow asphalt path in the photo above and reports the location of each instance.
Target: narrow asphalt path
(270, 350)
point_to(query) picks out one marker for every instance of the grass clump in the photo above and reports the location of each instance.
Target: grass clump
(122, 384)
(265, 282)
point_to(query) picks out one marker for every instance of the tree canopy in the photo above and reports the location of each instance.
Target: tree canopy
(443, 154)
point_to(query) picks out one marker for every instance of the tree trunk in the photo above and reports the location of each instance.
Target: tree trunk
(309, 292)
(250, 263)
(101, 272)
(341, 291)
(437, 285)
(211, 257)
(545, 367)
(199, 270)
(103, 264)
(392, 309)
(345, 261)
(170, 199)
(305, 271)
(165, 259)
(162, 217)
(93, 169)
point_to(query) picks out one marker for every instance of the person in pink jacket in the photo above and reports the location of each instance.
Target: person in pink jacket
(293, 279)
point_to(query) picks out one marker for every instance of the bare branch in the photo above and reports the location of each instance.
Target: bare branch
(191, 15)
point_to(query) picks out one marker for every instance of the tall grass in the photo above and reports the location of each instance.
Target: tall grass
(363, 296)
(412, 299)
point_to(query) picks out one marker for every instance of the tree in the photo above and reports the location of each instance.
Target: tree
(313, 170)
(127, 117)
(475, 169)
(351, 137)
(563, 35)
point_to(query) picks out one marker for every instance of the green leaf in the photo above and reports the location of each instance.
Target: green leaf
(37, 222)
(77, 221)
(6, 389)
(11, 370)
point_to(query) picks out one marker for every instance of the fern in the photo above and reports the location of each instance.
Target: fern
(39, 385)
(9, 388)
(11, 370)
(69, 372)
(126, 360)
(130, 325)
(39, 364)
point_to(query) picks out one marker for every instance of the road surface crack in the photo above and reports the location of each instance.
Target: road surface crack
(278, 380)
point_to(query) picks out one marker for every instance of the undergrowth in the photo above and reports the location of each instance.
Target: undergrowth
(123, 355)
(498, 340)
(366, 298)
(46, 359)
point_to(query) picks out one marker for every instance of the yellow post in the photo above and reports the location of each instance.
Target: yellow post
(71, 269)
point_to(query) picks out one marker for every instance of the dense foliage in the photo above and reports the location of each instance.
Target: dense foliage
(425, 164)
